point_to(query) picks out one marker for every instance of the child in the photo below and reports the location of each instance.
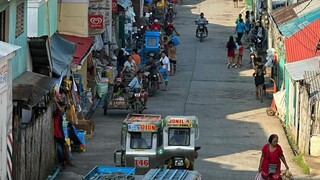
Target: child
(240, 53)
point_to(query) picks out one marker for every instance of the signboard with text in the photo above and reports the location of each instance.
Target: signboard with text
(96, 21)
(3, 74)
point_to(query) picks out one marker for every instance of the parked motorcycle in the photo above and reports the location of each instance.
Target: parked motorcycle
(201, 30)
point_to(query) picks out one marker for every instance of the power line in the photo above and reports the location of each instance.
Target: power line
(305, 7)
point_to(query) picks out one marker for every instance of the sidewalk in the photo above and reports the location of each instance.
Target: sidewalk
(272, 125)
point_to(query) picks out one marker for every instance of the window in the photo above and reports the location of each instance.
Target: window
(179, 137)
(4, 25)
(141, 140)
(20, 19)
(152, 42)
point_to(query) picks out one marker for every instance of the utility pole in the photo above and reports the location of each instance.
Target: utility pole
(269, 10)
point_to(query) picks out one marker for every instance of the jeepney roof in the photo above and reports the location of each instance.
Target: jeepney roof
(190, 121)
(150, 118)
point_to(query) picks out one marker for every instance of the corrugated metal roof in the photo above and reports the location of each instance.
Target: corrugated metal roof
(83, 47)
(285, 14)
(302, 45)
(6, 49)
(313, 78)
(31, 87)
(296, 70)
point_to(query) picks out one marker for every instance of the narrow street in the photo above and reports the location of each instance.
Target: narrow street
(233, 124)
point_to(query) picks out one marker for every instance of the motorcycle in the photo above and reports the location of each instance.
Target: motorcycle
(137, 100)
(181, 162)
(151, 82)
(200, 33)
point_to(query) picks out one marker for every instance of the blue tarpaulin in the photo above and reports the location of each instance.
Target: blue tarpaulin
(62, 52)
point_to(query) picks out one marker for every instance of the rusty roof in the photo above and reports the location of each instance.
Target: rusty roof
(313, 79)
(31, 87)
(285, 14)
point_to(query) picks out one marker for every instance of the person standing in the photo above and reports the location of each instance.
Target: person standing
(270, 163)
(259, 72)
(240, 52)
(121, 59)
(165, 69)
(235, 3)
(231, 46)
(136, 57)
(144, 21)
(172, 58)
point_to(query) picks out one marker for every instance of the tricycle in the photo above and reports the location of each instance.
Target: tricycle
(127, 100)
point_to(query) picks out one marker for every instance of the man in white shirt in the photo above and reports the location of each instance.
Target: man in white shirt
(165, 69)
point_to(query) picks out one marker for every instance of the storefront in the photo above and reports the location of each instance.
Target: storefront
(7, 51)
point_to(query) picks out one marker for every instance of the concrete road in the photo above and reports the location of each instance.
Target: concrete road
(233, 125)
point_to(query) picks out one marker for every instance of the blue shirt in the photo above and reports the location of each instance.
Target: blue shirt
(135, 83)
(240, 27)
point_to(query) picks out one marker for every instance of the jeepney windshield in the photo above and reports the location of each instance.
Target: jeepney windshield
(141, 140)
(179, 137)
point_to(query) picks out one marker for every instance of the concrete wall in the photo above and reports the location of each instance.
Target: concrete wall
(37, 17)
(73, 18)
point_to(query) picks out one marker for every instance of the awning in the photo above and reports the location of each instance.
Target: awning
(31, 87)
(83, 47)
(62, 52)
(297, 69)
(7, 49)
(313, 78)
(40, 55)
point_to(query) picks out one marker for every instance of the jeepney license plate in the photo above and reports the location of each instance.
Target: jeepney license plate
(141, 162)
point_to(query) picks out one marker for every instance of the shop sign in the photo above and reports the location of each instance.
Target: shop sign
(114, 6)
(179, 122)
(142, 127)
(96, 21)
(3, 74)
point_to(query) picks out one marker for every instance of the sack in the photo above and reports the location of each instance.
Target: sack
(272, 168)
(258, 176)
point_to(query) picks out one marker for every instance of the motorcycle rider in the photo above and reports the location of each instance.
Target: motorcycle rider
(202, 20)
(136, 82)
(155, 26)
(153, 67)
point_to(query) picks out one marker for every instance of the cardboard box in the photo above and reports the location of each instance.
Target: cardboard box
(87, 126)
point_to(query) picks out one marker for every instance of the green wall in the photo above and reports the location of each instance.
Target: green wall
(19, 61)
(282, 61)
(287, 97)
(42, 18)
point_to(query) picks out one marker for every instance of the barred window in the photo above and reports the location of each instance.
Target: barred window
(19, 19)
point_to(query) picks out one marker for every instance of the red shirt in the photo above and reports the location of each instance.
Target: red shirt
(155, 27)
(56, 126)
(241, 50)
(271, 157)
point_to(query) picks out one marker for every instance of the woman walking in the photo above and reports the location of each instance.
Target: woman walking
(231, 46)
(270, 163)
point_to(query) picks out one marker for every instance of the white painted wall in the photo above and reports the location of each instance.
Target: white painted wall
(32, 17)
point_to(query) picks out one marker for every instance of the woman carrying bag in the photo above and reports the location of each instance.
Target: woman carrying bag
(270, 163)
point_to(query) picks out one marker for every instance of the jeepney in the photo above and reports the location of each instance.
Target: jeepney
(179, 136)
(148, 141)
(141, 142)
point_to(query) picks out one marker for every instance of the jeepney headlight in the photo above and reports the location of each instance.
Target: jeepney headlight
(160, 151)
